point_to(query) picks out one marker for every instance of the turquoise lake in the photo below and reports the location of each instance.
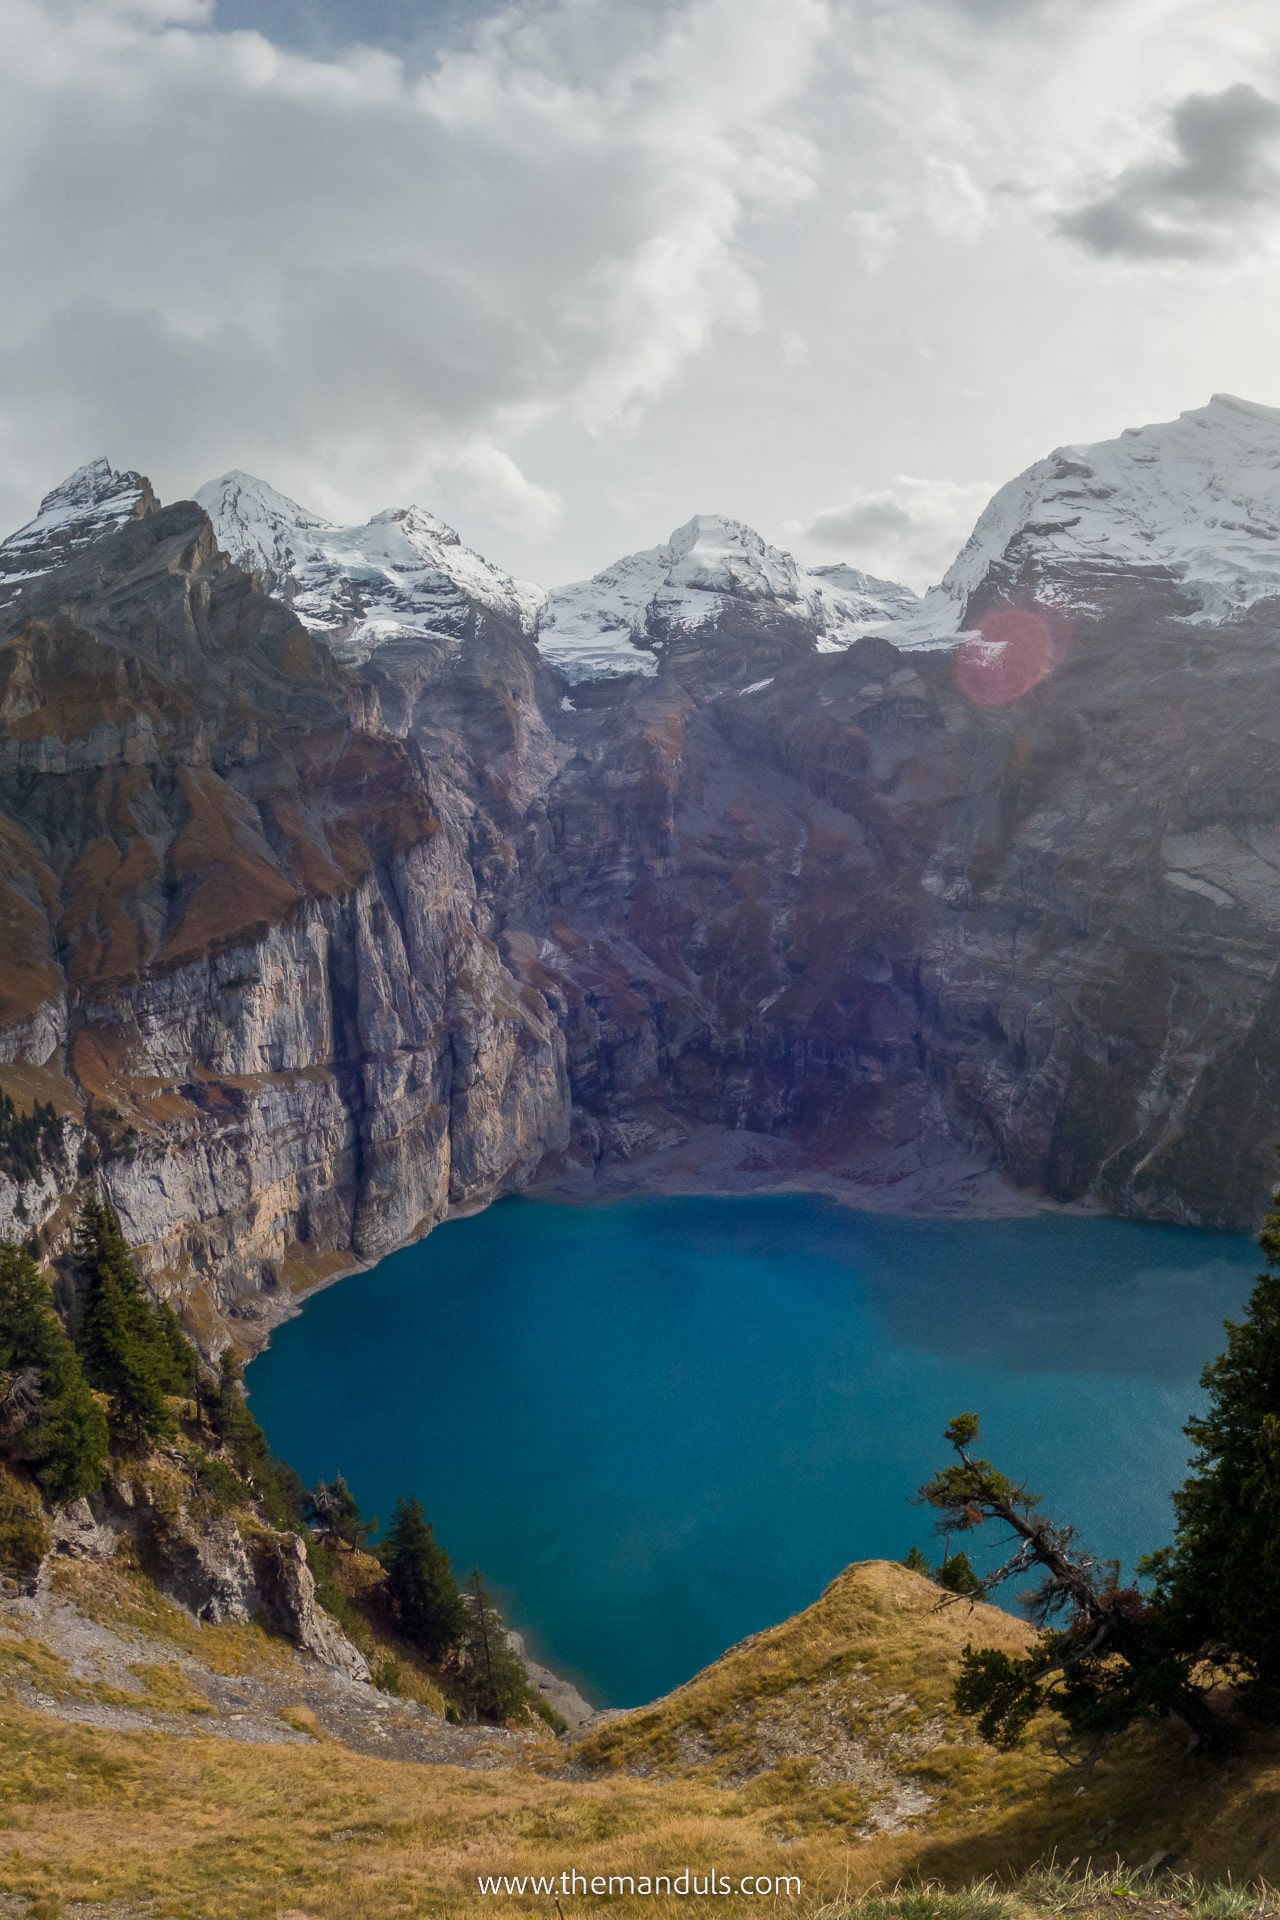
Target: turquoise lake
(661, 1425)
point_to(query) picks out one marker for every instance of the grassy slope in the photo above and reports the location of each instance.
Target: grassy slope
(775, 1760)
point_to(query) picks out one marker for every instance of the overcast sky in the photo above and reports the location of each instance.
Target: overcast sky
(570, 271)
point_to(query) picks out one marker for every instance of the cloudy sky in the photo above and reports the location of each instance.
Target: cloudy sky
(571, 270)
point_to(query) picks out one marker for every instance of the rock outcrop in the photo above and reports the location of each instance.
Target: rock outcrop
(222, 1565)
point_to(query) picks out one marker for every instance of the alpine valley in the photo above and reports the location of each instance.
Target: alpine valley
(347, 881)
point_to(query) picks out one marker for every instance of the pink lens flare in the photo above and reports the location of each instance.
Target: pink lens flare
(1013, 650)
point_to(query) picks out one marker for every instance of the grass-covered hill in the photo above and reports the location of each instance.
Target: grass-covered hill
(152, 1766)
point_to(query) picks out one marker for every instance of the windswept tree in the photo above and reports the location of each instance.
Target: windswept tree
(497, 1683)
(49, 1419)
(421, 1589)
(131, 1347)
(1105, 1653)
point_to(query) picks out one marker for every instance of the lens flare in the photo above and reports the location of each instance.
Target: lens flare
(1012, 651)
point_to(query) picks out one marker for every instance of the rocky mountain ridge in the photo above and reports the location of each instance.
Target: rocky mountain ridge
(310, 950)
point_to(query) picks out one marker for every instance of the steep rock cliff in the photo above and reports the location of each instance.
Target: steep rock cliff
(309, 952)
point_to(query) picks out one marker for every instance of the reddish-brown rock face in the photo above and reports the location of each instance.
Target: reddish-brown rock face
(310, 953)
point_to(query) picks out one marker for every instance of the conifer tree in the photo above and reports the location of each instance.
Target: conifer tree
(914, 1559)
(497, 1683)
(1220, 1582)
(132, 1349)
(49, 1420)
(420, 1585)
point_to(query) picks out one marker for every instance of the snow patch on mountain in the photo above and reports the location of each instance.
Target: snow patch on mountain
(1195, 501)
(401, 574)
(93, 501)
(617, 621)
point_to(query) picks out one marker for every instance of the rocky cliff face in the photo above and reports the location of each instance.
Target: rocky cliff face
(251, 947)
(310, 951)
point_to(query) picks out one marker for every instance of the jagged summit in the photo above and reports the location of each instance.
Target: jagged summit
(404, 572)
(619, 620)
(1194, 501)
(91, 502)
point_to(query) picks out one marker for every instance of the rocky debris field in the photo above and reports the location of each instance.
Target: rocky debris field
(100, 1672)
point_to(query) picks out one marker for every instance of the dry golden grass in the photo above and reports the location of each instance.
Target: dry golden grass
(165, 1685)
(214, 1829)
(878, 1628)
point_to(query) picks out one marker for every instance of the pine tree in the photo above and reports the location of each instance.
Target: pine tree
(1221, 1579)
(420, 1584)
(497, 1683)
(49, 1420)
(131, 1349)
(917, 1563)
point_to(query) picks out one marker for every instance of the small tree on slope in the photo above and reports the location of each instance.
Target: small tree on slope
(420, 1585)
(496, 1679)
(336, 1512)
(1105, 1654)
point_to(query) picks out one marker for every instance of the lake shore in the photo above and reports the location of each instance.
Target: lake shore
(933, 1182)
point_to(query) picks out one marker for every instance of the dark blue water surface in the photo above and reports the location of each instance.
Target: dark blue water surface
(661, 1425)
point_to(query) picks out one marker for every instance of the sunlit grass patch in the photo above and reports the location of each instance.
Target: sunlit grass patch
(168, 1687)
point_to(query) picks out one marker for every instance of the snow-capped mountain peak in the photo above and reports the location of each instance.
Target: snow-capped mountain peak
(260, 528)
(1194, 501)
(91, 502)
(403, 572)
(619, 620)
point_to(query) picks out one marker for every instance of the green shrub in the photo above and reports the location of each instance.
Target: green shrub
(29, 1142)
(334, 1599)
(277, 1487)
(387, 1676)
(545, 1711)
(956, 1574)
(218, 1483)
(24, 1536)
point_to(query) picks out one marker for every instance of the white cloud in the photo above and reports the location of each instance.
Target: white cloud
(910, 530)
(604, 263)
(232, 252)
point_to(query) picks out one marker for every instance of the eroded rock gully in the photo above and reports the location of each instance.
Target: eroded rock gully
(309, 955)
